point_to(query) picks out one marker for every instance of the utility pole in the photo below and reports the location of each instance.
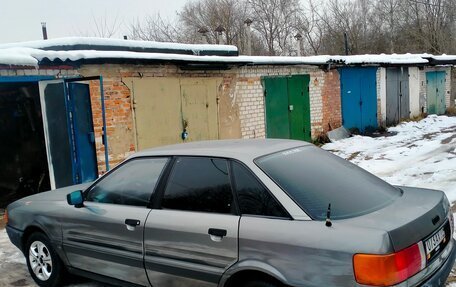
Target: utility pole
(346, 43)
(248, 31)
(219, 35)
(44, 30)
(203, 31)
(298, 38)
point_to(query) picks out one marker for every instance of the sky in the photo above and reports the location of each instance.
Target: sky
(20, 20)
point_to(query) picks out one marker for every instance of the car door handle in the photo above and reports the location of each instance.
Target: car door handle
(217, 232)
(132, 222)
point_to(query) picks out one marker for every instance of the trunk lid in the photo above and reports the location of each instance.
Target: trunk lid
(413, 217)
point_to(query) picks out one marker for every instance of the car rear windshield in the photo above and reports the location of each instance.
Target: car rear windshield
(315, 178)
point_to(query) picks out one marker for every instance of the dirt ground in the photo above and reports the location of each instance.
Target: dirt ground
(2, 223)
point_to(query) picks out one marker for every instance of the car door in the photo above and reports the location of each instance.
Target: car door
(191, 237)
(105, 236)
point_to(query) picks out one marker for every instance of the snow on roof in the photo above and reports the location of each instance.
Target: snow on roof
(37, 52)
(17, 57)
(444, 57)
(397, 59)
(104, 44)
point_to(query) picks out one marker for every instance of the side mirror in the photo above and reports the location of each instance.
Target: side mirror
(76, 198)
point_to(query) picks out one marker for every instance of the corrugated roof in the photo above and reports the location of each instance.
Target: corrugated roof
(77, 51)
(103, 44)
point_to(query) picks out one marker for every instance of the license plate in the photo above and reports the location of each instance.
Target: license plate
(437, 242)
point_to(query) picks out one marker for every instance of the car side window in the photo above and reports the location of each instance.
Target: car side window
(131, 184)
(253, 197)
(199, 184)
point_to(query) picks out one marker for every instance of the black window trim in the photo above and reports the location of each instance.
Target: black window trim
(160, 190)
(106, 175)
(234, 188)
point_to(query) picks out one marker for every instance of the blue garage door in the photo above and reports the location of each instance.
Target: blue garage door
(69, 132)
(359, 98)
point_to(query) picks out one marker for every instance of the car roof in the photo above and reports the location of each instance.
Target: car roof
(242, 149)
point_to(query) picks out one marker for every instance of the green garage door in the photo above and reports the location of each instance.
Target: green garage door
(435, 92)
(287, 107)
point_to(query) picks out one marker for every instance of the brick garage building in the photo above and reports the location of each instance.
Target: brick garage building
(145, 94)
(87, 97)
(241, 105)
(424, 85)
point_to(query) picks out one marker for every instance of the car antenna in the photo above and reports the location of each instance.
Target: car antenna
(328, 216)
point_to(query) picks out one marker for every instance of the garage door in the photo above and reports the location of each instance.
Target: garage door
(359, 98)
(288, 107)
(397, 95)
(435, 92)
(165, 108)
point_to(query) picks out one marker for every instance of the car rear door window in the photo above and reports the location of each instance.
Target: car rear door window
(253, 197)
(131, 184)
(199, 184)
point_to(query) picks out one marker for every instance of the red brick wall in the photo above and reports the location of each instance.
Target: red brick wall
(119, 120)
(332, 114)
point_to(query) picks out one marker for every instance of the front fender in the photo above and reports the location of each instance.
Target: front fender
(252, 265)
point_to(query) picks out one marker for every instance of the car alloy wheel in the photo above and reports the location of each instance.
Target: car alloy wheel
(43, 263)
(40, 260)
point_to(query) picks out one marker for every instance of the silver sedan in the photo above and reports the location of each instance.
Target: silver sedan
(250, 213)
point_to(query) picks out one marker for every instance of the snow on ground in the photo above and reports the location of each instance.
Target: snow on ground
(421, 154)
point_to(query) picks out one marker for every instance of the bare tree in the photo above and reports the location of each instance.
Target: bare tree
(310, 25)
(390, 14)
(432, 24)
(372, 26)
(276, 21)
(102, 27)
(228, 14)
(155, 28)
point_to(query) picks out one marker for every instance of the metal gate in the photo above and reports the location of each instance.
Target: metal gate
(199, 108)
(435, 92)
(288, 107)
(69, 132)
(359, 98)
(397, 95)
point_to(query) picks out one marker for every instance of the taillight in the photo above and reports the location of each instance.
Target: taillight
(391, 269)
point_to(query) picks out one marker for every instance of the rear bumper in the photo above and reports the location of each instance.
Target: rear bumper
(439, 278)
(15, 236)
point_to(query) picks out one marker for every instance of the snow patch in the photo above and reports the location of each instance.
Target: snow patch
(422, 154)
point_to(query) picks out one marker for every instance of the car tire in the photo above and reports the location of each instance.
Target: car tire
(43, 263)
(258, 283)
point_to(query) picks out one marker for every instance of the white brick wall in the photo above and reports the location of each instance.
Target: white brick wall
(317, 81)
(423, 87)
(447, 87)
(250, 94)
(381, 96)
